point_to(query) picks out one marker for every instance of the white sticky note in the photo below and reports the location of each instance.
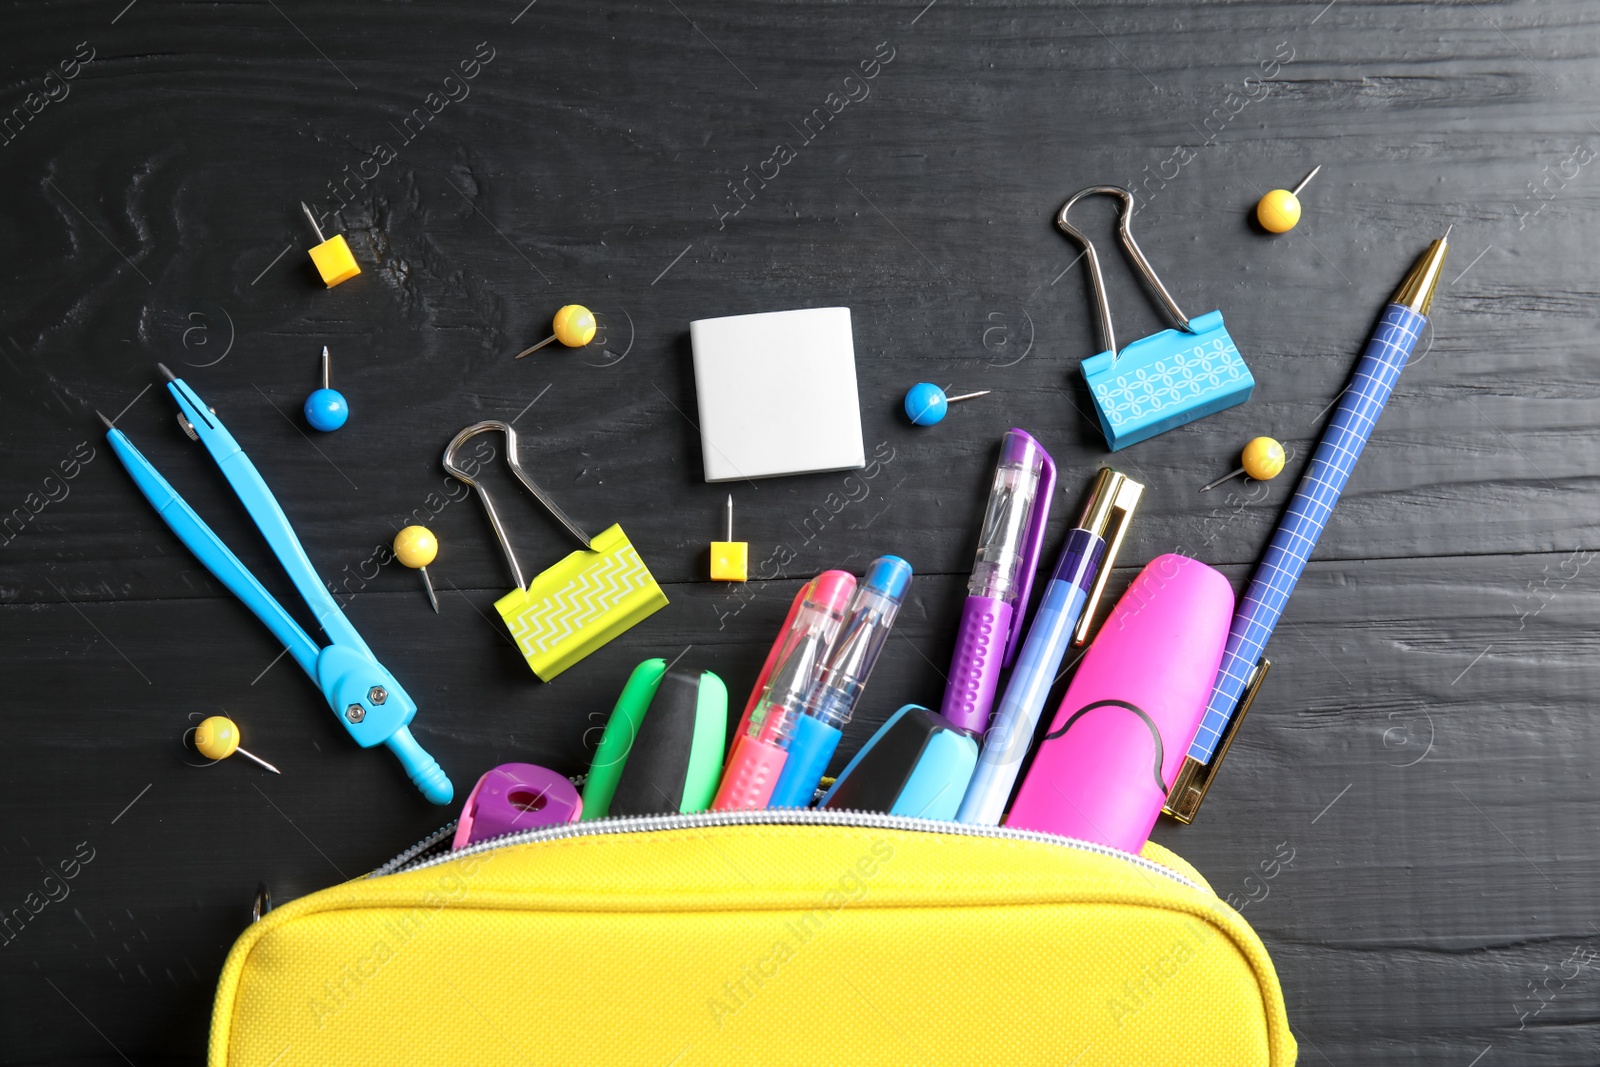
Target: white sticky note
(777, 394)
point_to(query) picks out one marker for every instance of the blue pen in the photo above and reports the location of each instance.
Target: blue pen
(839, 683)
(1114, 496)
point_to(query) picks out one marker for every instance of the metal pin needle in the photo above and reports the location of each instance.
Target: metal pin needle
(313, 220)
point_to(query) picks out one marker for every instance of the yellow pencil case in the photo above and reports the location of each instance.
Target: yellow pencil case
(767, 937)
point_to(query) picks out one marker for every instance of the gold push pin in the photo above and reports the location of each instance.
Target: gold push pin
(218, 738)
(332, 256)
(1279, 210)
(1262, 460)
(416, 547)
(730, 559)
(574, 327)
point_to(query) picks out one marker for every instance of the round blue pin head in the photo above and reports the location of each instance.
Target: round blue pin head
(926, 404)
(326, 409)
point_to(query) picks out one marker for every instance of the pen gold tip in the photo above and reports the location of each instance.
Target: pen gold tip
(1416, 292)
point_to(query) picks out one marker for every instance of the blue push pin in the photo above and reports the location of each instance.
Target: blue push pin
(326, 408)
(926, 403)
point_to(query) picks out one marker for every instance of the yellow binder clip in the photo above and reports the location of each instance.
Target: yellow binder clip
(574, 607)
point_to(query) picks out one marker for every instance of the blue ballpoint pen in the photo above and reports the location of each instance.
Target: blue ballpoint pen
(1244, 663)
(1084, 556)
(366, 698)
(840, 681)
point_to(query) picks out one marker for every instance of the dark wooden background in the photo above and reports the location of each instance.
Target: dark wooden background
(1426, 743)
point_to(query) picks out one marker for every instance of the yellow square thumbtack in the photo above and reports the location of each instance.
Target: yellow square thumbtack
(332, 257)
(730, 559)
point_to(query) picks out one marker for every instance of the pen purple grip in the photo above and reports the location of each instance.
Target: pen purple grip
(975, 669)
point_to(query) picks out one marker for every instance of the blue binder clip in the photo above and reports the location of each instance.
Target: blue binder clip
(1164, 380)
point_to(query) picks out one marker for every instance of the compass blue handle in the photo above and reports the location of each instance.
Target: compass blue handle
(209, 550)
(268, 516)
(1268, 593)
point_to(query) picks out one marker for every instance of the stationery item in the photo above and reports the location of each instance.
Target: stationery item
(628, 941)
(573, 326)
(217, 738)
(841, 679)
(1243, 665)
(730, 559)
(777, 394)
(1070, 597)
(926, 404)
(416, 547)
(661, 751)
(326, 409)
(1279, 210)
(1119, 737)
(1002, 577)
(580, 603)
(368, 700)
(332, 256)
(780, 645)
(1164, 380)
(1262, 459)
(513, 797)
(917, 764)
(760, 746)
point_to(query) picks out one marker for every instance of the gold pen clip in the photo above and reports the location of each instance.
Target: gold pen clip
(1194, 778)
(1107, 514)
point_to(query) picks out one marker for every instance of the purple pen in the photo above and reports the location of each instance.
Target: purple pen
(997, 595)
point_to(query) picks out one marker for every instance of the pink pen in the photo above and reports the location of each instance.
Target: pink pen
(1106, 765)
(1002, 576)
(758, 756)
(800, 597)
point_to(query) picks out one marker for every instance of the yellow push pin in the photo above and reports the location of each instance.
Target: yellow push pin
(730, 559)
(332, 257)
(1263, 460)
(1279, 210)
(218, 738)
(416, 547)
(574, 327)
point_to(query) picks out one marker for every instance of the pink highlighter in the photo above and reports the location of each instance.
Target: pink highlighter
(1104, 769)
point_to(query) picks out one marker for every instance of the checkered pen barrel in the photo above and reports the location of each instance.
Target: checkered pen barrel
(1354, 416)
(1308, 513)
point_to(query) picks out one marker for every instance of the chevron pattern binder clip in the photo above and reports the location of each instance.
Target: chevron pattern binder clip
(583, 601)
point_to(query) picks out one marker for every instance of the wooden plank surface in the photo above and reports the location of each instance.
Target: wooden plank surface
(1424, 747)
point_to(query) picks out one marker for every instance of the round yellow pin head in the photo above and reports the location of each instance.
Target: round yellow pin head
(574, 326)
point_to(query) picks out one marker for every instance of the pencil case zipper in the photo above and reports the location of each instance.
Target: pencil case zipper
(434, 849)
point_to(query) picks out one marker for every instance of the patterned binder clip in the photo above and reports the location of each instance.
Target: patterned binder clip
(580, 603)
(1164, 380)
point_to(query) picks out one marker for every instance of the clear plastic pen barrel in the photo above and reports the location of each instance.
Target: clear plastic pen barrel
(772, 720)
(996, 571)
(856, 650)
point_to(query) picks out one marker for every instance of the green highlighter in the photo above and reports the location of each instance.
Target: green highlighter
(661, 752)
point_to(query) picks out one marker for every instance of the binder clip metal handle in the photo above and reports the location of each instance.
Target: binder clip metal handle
(1097, 280)
(456, 470)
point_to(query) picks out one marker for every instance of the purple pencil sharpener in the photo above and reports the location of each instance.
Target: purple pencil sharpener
(514, 797)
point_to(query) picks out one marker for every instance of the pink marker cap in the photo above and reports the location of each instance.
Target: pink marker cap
(1118, 740)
